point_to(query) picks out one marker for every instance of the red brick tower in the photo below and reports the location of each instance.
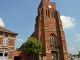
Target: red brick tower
(7, 43)
(48, 29)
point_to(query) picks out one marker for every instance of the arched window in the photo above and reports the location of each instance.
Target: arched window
(52, 41)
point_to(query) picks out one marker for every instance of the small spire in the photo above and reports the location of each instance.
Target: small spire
(45, 0)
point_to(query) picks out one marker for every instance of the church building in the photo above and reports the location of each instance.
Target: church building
(49, 30)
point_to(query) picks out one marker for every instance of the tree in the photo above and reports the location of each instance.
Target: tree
(33, 47)
(17, 48)
(79, 54)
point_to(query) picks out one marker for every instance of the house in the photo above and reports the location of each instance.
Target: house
(7, 42)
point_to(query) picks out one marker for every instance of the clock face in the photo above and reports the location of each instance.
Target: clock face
(49, 6)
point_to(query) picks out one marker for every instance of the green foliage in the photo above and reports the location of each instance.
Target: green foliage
(75, 55)
(17, 48)
(33, 46)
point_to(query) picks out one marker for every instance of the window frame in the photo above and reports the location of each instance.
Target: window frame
(5, 40)
(53, 41)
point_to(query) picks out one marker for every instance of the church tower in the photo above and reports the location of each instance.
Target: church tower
(48, 29)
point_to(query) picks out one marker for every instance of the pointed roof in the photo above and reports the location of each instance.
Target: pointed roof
(2, 29)
(46, 3)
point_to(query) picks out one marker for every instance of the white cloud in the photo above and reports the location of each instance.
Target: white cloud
(78, 37)
(20, 40)
(1, 22)
(67, 22)
(72, 49)
(73, 45)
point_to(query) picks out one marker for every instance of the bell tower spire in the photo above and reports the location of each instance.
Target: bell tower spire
(48, 29)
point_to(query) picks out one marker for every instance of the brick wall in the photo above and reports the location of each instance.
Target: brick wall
(10, 46)
(22, 54)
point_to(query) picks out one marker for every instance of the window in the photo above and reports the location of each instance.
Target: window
(53, 14)
(3, 55)
(6, 54)
(52, 41)
(5, 40)
(48, 13)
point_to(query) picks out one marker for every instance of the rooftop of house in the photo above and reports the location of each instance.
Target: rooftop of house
(2, 29)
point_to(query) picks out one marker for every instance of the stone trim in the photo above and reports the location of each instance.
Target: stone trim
(65, 52)
(1, 36)
(48, 52)
(63, 39)
(10, 59)
(52, 30)
(2, 48)
(11, 38)
(11, 50)
(46, 28)
(6, 46)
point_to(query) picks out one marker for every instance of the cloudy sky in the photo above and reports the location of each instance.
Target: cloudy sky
(19, 16)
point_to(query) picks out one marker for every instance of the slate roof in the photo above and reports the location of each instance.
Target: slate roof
(2, 29)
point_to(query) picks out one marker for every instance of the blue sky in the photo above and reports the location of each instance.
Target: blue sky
(19, 16)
